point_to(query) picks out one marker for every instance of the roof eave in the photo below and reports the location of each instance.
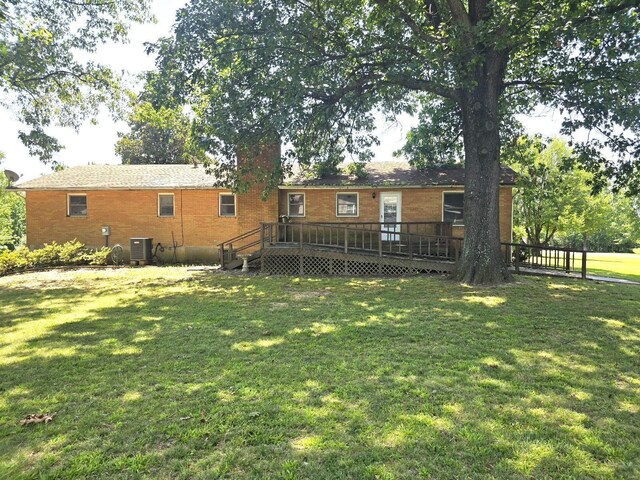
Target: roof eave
(384, 185)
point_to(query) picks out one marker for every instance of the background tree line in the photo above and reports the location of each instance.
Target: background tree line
(555, 203)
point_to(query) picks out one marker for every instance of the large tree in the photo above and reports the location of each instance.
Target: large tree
(555, 198)
(545, 187)
(315, 73)
(158, 135)
(47, 76)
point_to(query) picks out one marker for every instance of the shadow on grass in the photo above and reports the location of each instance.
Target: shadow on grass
(274, 377)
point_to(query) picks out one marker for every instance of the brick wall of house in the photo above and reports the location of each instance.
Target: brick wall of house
(134, 213)
(418, 205)
(196, 226)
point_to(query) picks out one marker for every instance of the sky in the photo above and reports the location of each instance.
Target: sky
(95, 143)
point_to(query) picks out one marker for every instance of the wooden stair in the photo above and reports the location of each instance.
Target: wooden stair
(237, 262)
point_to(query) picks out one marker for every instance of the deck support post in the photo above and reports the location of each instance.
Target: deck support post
(346, 240)
(410, 246)
(301, 255)
(567, 261)
(516, 261)
(262, 236)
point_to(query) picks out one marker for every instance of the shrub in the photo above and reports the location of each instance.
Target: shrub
(52, 254)
(47, 256)
(98, 257)
(71, 253)
(14, 260)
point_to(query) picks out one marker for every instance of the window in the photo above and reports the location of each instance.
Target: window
(347, 205)
(296, 204)
(227, 205)
(452, 208)
(77, 205)
(165, 204)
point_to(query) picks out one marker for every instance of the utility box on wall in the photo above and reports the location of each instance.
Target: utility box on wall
(141, 249)
(106, 231)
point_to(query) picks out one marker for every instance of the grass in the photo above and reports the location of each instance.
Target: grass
(170, 373)
(616, 265)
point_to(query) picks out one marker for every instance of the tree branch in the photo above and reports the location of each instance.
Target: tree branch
(459, 13)
(423, 86)
(408, 20)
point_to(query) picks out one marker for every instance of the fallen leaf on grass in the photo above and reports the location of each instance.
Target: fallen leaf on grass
(37, 418)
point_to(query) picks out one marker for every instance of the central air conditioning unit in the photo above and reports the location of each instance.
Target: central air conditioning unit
(141, 249)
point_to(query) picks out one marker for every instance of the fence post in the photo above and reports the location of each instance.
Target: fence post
(516, 261)
(567, 261)
(262, 227)
(379, 239)
(584, 264)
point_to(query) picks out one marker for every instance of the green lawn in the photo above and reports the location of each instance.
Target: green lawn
(617, 265)
(170, 373)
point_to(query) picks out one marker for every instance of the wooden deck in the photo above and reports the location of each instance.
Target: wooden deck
(362, 248)
(365, 248)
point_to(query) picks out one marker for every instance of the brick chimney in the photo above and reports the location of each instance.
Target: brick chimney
(258, 167)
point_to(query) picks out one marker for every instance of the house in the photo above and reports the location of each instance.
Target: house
(187, 217)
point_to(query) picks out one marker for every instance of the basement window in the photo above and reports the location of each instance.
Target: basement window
(227, 205)
(77, 205)
(165, 205)
(452, 208)
(296, 204)
(346, 205)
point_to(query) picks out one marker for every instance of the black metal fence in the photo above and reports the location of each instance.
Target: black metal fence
(541, 257)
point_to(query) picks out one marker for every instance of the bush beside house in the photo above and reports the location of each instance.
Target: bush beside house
(51, 255)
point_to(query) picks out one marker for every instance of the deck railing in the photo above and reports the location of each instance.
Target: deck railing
(567, 260)
(402, 239)
(398, 239)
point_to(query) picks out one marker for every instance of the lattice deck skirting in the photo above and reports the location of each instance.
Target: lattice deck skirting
(309, 261)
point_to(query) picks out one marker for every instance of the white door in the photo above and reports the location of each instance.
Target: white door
(390, 212)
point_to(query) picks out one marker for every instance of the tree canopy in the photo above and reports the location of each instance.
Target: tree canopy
(315, 71)
(46, 74)
(158, 135)
(12, 214)
(315, 74)
(554, 201)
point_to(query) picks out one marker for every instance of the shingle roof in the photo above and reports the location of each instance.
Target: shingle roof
(119, 177)
(396, 174)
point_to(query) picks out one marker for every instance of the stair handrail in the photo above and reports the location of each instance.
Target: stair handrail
(229, 251)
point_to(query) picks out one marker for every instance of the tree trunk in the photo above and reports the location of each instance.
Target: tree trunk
(481, 261)
(585, 241)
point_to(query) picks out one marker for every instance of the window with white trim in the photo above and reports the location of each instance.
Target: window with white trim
(227, 205)
(165, 205)
(452, 208)
(77, 205)
(296, 204)
(346, 205)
